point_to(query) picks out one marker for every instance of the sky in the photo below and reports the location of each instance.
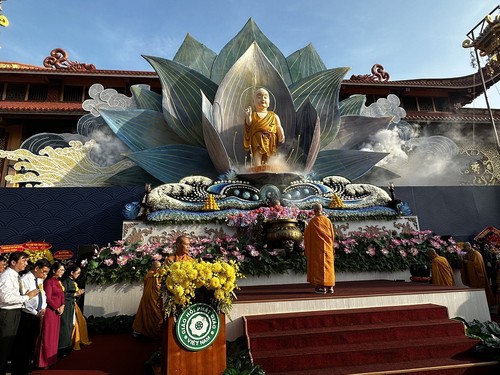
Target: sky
(411, 39)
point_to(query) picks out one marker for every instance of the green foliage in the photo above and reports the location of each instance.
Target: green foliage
(489, 334)
(238, 359)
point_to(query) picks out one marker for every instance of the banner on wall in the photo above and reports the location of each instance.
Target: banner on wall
(28, 246)
(36, 246)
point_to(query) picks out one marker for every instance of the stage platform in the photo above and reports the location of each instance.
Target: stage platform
(463, 302)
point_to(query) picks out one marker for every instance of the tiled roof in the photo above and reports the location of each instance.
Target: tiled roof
(17, 67)
(38, 107)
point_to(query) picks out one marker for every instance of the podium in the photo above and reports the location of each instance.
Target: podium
(178, 360)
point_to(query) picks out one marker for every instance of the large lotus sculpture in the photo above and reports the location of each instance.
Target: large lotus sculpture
(195, 127)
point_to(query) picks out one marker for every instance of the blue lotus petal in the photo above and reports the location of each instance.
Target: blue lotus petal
(237, 46)
(145, 98)
(213, 142)
(182, 88)
(304, 63)
(140, 129)
(352, 105)
(196, 56)
(350, 164)
(171, 163)
(322, 89)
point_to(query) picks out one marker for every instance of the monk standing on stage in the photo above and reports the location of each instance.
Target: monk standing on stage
(474, 272)
(442, 274)
(318, 240)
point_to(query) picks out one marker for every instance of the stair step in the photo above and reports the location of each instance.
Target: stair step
(367, 353)
(347, 317)
(355, 334)
(439, 366)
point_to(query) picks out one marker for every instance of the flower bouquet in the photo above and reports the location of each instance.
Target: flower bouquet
(198, 281)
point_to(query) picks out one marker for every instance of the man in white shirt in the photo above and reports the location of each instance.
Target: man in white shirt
(31, 318)
(11, 302)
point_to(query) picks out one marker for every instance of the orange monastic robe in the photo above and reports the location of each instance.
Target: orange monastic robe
(178, 258)
(149, 317)
(474, 274)
(318, 240)
(262, 135)
(442, 274)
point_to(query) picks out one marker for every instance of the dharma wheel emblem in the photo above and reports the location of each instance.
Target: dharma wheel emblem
(197, 327)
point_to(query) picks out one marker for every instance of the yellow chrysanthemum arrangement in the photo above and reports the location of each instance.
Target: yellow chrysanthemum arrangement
(35, 255)
(193, 281)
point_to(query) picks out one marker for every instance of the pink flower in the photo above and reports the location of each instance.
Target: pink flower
(403, 253)
(371, 251)
(116, 250)
(108, 262)
(121, 260)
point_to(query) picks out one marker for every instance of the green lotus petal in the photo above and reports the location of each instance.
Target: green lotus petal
(145, 98)
(133, 176)
(307, 135)
(351, 164)
(237, 46)
(235, 93)
(354, 131)
(352, 105)
(304, 63)
(213, 143)
(322, 89)
(182, 87)
(171, 163)
(140, 129)
(195, 55)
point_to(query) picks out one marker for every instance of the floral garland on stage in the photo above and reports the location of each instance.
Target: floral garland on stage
(197, 281)
(370, 250)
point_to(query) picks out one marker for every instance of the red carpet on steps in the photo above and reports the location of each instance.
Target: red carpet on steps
(109, 354)
(384, 339)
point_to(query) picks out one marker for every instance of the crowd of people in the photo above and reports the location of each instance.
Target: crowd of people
(40, 320)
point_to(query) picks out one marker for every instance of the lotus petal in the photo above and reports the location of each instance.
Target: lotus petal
(214, 145)
(351, 164)
(171, 163)
(133, 176)
(354, 131)
(237, 46)
(195, 55)
(140, 129)
(322, 89)
(235, 93)
(307, 135)
(182, 87)
(352, 105)
(145, 98)
(304, 63)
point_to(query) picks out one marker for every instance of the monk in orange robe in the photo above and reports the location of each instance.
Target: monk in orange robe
(149, 316)
(473, 272)
(319, 240)
(182, 246)
(442, 273)
(263, 129)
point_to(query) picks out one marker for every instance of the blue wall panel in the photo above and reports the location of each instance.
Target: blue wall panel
(68, 217)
